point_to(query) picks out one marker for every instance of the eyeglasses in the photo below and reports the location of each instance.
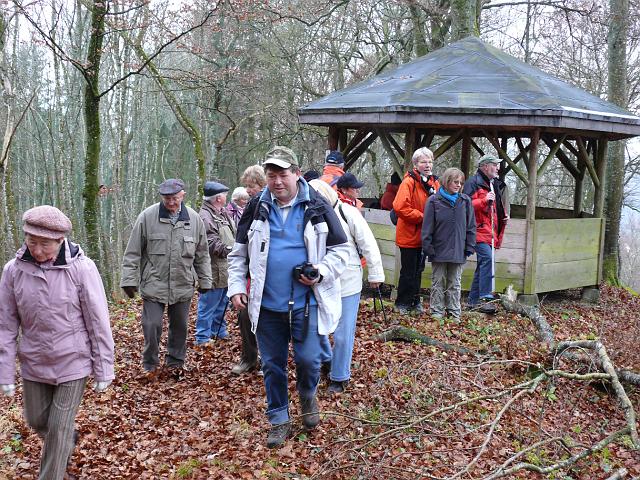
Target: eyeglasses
(457, 182)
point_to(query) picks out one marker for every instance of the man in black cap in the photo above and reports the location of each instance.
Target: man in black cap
(168, 242)
(221, 233)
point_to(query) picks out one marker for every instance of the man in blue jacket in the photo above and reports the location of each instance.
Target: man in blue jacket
(292, 245)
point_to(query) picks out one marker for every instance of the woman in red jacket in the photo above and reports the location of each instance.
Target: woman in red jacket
(416, 187)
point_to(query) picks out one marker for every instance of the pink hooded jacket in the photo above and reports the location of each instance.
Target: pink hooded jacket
(61, 310)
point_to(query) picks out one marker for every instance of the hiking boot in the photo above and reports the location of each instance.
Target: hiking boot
(488, 307)
(278, 434)
(418, 308)
(337, 387)
(150, 376)
(401, 309)
(243, 366)
(310, 415)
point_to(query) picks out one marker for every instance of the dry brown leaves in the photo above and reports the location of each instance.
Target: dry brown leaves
(212, 424)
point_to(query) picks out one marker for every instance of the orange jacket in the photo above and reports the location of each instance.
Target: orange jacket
(409, 206)
(331, 174)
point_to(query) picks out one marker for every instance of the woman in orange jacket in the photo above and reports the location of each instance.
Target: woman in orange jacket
(416, 187)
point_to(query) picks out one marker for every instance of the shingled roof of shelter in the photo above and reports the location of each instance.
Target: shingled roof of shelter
(469, 82)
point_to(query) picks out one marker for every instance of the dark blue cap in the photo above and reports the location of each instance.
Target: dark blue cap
(334, 157)
(214, 188)
(349, 180)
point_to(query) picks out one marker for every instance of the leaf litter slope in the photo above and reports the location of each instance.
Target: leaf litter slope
(395, 420)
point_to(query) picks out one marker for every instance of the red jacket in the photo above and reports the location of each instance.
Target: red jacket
(477, 187)
(390, 192)
(409, 206)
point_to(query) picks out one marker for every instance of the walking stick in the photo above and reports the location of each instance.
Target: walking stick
(384, 314)
(226, 306)
(493, 242)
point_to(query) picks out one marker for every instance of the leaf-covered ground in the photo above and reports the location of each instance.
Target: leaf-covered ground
(392, 422)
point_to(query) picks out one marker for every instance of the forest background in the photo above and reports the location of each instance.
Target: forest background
(127, 93)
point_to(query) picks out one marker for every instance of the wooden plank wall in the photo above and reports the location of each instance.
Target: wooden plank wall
(567, 253)
(509, 258)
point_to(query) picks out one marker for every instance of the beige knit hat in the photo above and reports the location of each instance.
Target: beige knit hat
(46, 221)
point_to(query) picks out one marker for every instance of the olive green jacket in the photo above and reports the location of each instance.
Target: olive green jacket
(221, 235)
(166, 261)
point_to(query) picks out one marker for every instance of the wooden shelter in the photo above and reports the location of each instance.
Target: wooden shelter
(468, 91)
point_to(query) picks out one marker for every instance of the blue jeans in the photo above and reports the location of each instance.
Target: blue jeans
(273, 334)
(343, 339)
(481, 285)
(211, 320)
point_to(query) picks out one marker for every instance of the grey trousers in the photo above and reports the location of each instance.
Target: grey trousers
(152, 329)
(51, 411)
(445, 288)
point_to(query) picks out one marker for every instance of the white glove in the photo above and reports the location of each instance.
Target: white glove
(8, 389)
(101, 386)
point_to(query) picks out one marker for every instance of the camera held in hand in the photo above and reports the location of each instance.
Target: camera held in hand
(307, 269)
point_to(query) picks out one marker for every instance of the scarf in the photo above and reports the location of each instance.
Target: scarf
(452, 198)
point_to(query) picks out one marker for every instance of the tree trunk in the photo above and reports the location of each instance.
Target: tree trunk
(92, 139)
(617, 70)
(463, 18)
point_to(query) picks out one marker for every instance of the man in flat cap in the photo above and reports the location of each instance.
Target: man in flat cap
(292, 245)
(221, 233)
(168, 242)
(489, 197)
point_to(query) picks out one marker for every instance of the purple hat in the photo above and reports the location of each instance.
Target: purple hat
(349, 180)
(334, 157)
(46, 221)
(171, 186)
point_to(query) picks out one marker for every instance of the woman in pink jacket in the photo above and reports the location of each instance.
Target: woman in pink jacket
(54, 317)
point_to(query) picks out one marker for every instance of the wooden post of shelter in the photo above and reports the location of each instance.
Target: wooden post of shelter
(409, 146)
(465, 158)
(332, 140)
(532, 190)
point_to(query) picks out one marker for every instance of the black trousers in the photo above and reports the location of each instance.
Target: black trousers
(411, 268)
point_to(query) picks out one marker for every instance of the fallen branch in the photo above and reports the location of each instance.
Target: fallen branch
(409, 335)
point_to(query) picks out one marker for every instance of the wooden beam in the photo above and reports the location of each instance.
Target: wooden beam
(358, 137)
(505, 157)
(601, 166)
(332, 140)
(395, 144)
(465, 160)
(584, 156)
(428, 138)
(552, 153)
(523, 151)
(476, 147)
(531, 250)
(384, 138)
(579, 189)
(354, 154)
(409, 146)
(448, 143)
(342, 139)
(564, 159)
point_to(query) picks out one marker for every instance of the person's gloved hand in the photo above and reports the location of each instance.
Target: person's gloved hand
(130, 291)
(8, 389)
(101, 386)
(203, 290)
(468, 253)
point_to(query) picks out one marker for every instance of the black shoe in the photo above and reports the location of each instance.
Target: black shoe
(337, 387)
(310, 414)
(488, 307)
(278, 434)
(243, 366)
